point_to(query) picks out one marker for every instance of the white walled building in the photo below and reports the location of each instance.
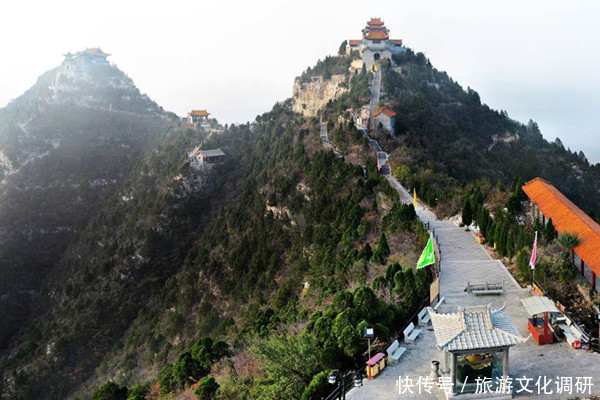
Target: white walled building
(376, 43)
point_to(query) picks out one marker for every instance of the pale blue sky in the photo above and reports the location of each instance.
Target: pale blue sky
(535, 59)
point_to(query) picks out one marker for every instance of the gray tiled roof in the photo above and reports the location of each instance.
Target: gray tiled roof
(474, 328)
(212, 153)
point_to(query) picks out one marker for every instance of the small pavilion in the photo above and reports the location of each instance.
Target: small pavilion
(198, 117)
(475, 343)
(541, 310)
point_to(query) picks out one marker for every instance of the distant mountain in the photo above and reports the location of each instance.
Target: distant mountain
(118, 258)
(65, 146)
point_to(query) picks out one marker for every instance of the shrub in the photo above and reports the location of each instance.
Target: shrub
(110, 391)
(317, 388)
(207, 388)
(569, 240)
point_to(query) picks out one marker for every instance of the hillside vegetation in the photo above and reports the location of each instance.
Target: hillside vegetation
(256, 279)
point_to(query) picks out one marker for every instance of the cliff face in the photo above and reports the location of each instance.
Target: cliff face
(310, 97)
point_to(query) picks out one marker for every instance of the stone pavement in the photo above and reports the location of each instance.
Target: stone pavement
(463, 260)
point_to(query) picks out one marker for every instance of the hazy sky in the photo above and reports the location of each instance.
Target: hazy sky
(535, 59)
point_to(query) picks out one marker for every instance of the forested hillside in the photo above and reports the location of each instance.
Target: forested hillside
(147, 279)
(258, 251)
(65, 147)
(446, 138)
(300, 227)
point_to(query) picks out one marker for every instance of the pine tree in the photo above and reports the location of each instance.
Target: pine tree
(382, 249)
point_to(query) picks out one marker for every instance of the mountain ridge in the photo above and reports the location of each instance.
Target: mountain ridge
(286, 240)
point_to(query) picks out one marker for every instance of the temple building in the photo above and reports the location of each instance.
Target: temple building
(205, 158)
(199, 118)
(547, 202)
(475, 342)
(89, 56)
(386, 117)
(376, 43)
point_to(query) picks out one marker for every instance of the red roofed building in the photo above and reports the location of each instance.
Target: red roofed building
(376, 43)
(386, 117)
(547, 202)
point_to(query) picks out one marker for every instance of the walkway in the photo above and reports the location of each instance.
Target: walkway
(375, 91)
(325, 140)
(463, 260)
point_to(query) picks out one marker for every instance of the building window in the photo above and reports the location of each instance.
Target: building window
(577, 262)
(587, 273)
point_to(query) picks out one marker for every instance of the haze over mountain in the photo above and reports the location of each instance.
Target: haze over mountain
(120, 262)
(532, 70)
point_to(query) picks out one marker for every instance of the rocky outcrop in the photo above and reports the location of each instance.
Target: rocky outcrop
(309, 97)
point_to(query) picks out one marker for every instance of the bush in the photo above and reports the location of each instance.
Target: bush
(110, 391)
(317, 388)
(207, 388)
(187, 370)
(569, 240)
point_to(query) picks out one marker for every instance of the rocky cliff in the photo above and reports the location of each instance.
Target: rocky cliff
(309, 97)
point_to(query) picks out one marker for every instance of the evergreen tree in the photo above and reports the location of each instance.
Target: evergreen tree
(477, 199)
(521, 239)
(483, 220)
(523, 257)
(206, 389)
(490, 232)
(365, 253)
(318, 387)
(467, 213)
(510, 243)
(382, 250)
(500, 239)
(391, 271)
(549, 231)
(342, 49)
(110, 391)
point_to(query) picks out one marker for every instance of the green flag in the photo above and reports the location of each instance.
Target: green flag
(427, 256)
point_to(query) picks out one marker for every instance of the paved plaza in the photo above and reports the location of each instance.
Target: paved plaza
(464, 260)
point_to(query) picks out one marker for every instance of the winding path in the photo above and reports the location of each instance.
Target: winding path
(464, 260)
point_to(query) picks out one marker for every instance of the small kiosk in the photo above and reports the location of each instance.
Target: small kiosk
(474, 342)
(375, 365)
(540, 310)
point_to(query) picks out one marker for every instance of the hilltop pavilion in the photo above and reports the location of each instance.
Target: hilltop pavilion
(376, 43)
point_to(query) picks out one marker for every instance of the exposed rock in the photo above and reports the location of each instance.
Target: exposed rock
(310, 97)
